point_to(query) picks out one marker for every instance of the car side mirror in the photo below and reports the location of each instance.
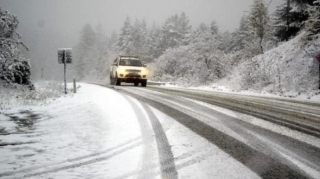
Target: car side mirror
(144, 65)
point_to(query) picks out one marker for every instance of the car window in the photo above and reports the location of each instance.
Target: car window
(130, 62)
(115, 61)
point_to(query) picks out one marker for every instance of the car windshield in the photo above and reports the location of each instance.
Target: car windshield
(130, 62)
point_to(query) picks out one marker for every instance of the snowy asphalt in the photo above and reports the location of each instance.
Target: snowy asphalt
(156, 132)
(269, 153)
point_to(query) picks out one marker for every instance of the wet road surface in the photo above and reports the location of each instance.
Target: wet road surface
(268, 151)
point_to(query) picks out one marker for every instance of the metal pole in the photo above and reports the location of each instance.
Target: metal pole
(74, 85)
(65, 71)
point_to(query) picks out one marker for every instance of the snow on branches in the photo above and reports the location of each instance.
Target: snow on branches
(259, 20)
(13, 67)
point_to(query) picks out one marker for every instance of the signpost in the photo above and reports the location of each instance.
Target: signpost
(65, 57)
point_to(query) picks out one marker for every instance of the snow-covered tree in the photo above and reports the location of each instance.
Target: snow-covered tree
(176, 31)
(84, 50)
(184, 28)
(138, 33)
(13, 67)
(199, 62)
(289, 17)
(125, 40)
(101, 50)
(214, 27)
(259, 21)
(242, 42)
(313, 23)
(113, 40)
(153, 43)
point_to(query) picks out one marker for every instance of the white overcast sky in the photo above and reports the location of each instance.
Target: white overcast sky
(73, 14)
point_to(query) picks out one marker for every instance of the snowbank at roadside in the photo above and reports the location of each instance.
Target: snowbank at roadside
(312, 96)
(70, 133)
(288, 70)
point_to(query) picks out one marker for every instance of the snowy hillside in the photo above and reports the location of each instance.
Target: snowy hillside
(289, 68)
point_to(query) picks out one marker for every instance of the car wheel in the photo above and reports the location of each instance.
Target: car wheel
(111, 80)
(117, 81)
(136, 83)
(144, 83)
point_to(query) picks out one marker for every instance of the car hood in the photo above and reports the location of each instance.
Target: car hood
(132, 68)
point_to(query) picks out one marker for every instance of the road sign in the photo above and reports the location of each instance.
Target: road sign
(65, 57)
(65, 53)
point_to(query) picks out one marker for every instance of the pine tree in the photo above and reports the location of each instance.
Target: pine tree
(100, 50)
(153, 42)
(243, 37)
(184, 28)
(313, 23)
(176, 31)
(113, 40)
(125, 39)
(84, 50)
(214, 27)
(289, 17)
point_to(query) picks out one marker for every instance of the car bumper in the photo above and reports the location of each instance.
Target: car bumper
(132, 76)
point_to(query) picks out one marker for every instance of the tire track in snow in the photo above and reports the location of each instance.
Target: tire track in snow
(305, 121)
(88, 162)
(251, 132)
(146, 170)
(70, 163)
(167, 165)
(190, 158)
(307, 155)
(262, 164)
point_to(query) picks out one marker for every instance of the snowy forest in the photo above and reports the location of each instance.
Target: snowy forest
(269, 51)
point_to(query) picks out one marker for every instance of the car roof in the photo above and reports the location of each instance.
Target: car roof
(129, 57)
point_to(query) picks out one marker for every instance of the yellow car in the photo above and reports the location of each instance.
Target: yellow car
(128, 69)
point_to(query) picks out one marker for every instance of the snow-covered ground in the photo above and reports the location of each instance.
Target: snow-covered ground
(100, 133)
(75, 136)
(97, 133)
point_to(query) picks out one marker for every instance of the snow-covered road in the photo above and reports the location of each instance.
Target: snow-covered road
(130, 132)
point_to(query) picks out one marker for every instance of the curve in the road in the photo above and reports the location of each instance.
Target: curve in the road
(262, 164)
(304, 122)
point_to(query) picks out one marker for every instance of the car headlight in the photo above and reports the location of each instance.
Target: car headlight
(144, 72)
(121, 70)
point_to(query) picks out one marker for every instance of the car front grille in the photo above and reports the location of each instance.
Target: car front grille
(133, 76)
(133, 71)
